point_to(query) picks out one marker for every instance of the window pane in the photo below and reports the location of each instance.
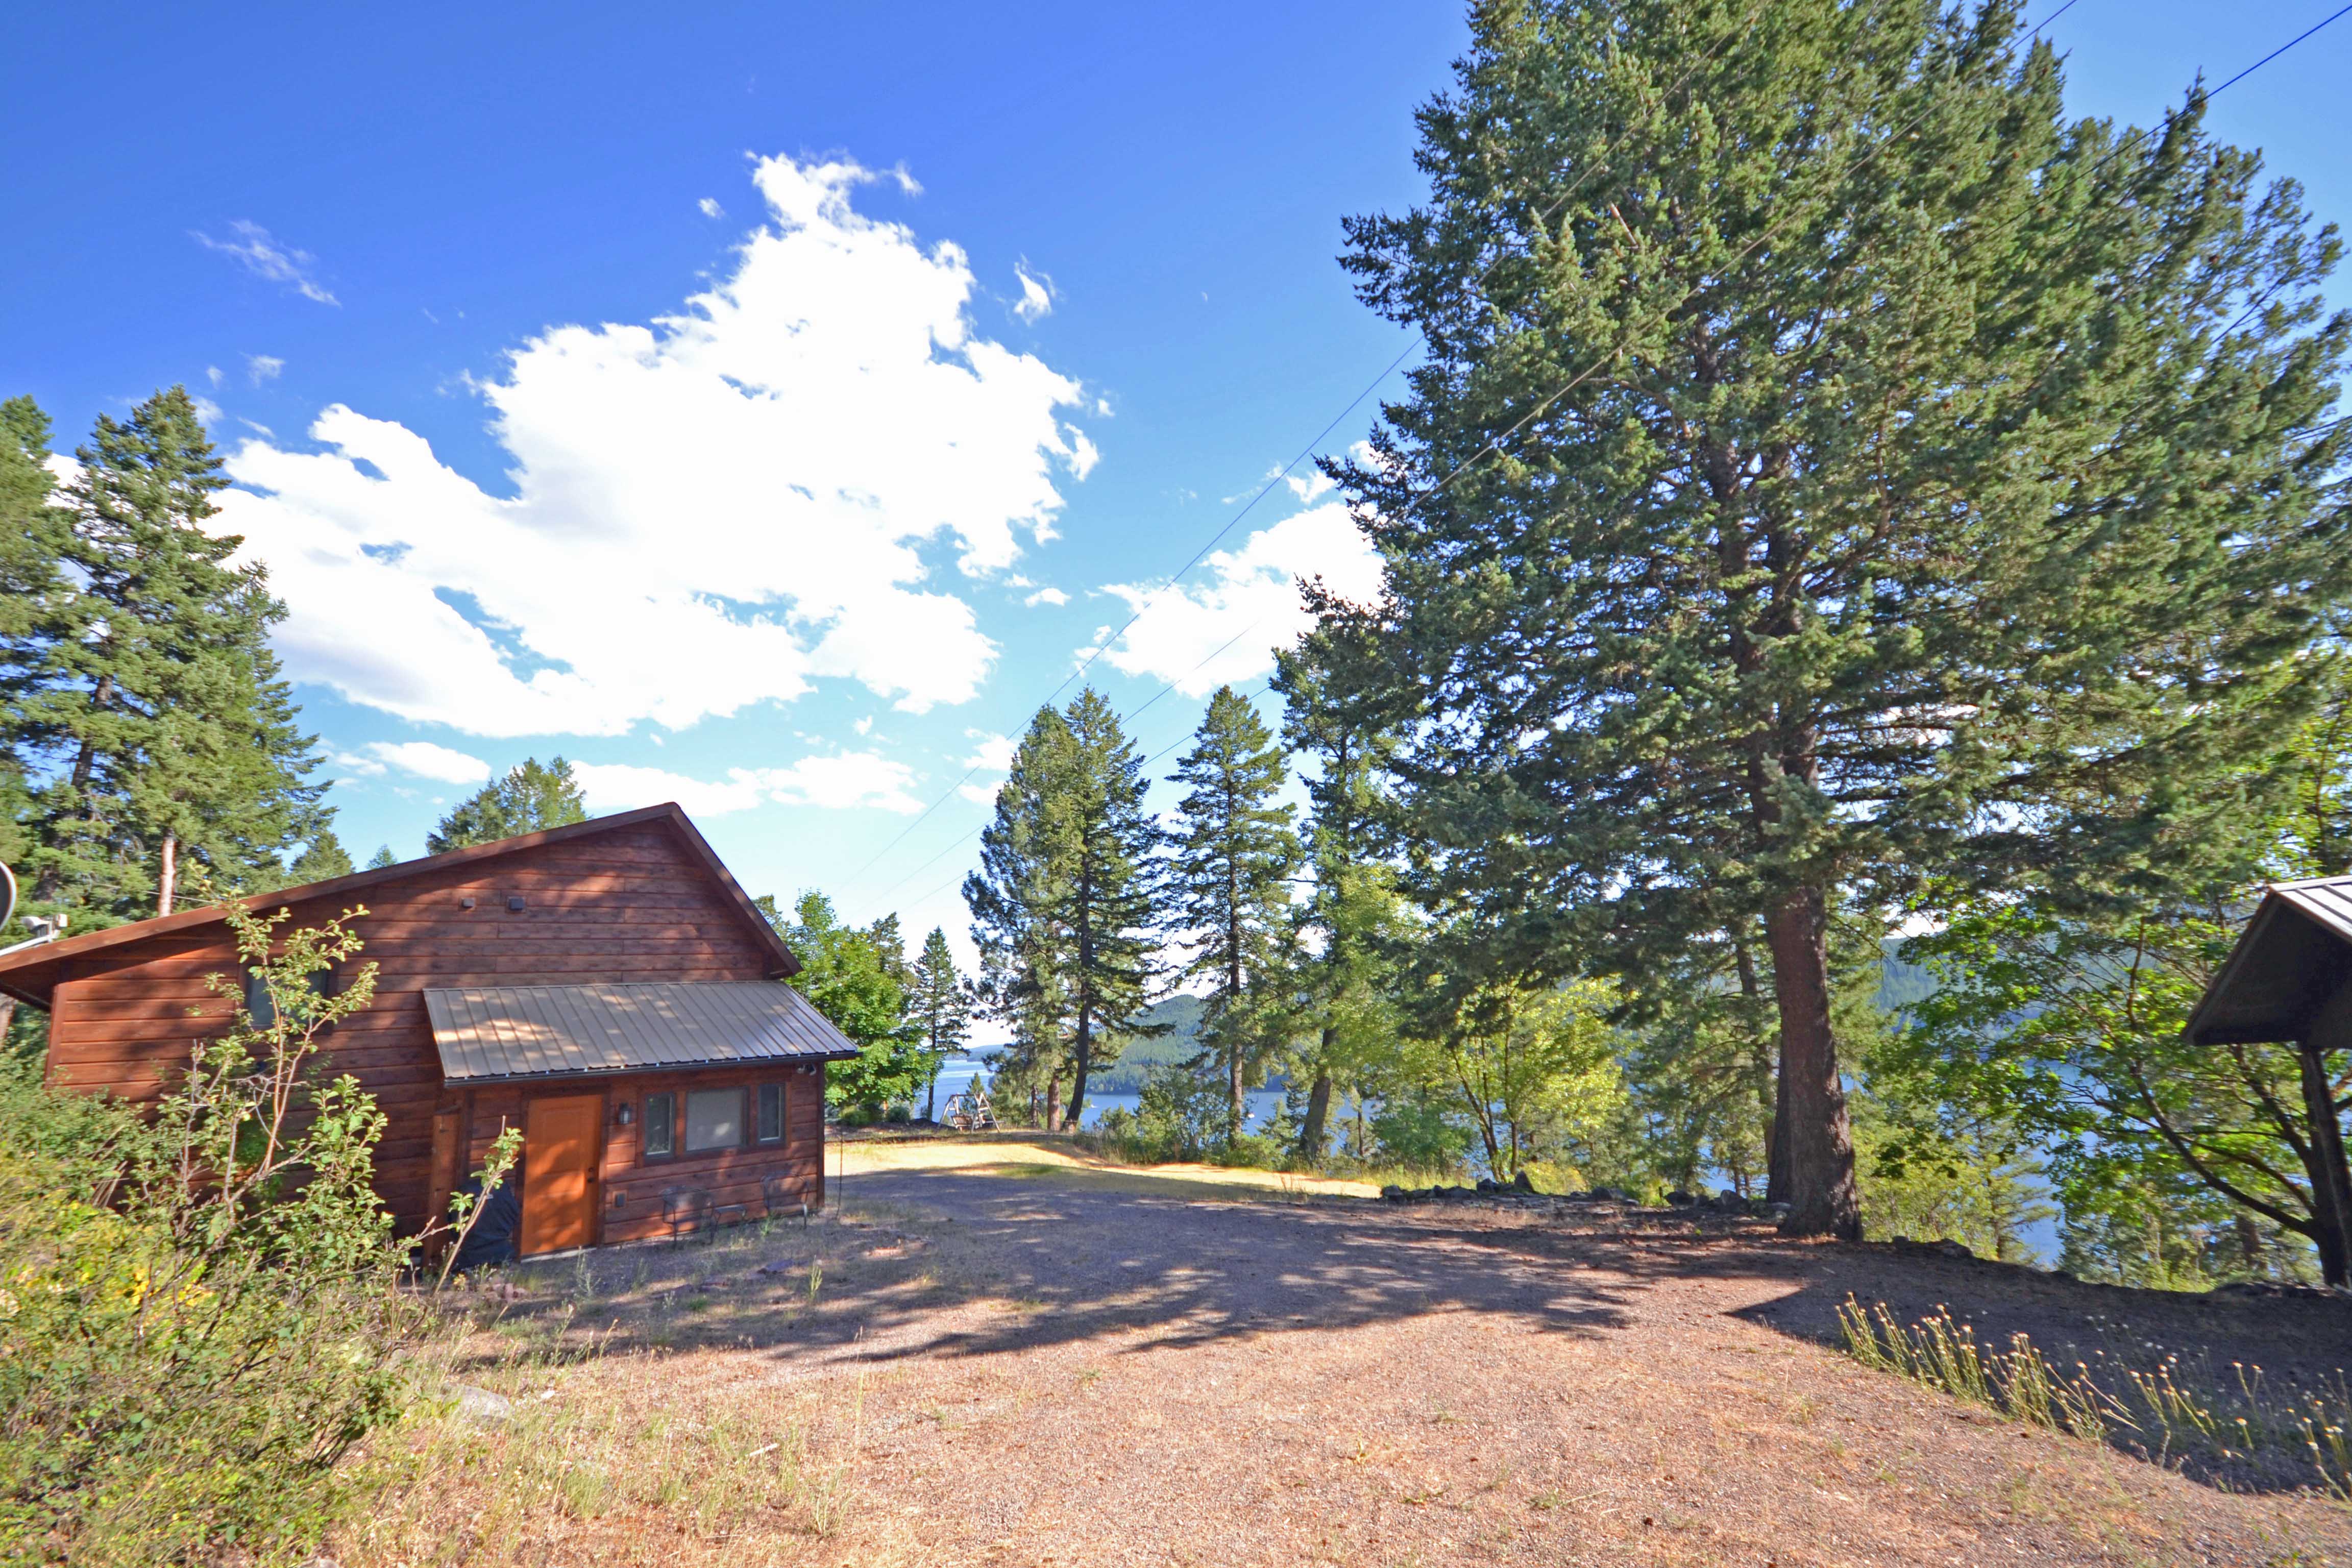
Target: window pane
(259, 1002)
(661, 1124)
(714, 1118)
(771, 1112)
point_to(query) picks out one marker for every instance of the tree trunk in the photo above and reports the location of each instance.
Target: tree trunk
(168, 883)
(1082, 1059)
(1813, 1137)
(931, 1100)
(1313, 1135)
(2331, 1186)
(1053, 1102)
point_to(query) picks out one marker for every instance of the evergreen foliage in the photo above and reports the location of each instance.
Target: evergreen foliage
(531, 797)
(1232, 854)
(940, 1000)
(323, 858)
(145, 706)
(382, 858)
(1351, 920)
(1064, 903)
(1831, 471)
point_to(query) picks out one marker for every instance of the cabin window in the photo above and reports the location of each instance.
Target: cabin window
(771, 1114)
(714, 1119)
(661, 1126)
(263, 1007)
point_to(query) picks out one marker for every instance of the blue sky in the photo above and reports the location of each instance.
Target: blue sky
(421, 269)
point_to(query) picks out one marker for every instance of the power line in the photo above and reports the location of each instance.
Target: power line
(1421, 336)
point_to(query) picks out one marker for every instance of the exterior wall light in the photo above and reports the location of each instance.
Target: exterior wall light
(626, 1115)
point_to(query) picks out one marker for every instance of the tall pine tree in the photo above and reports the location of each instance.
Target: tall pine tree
(1233, 855)
(1062, 903)
(532, 796)
(1332, 714)
(941, 1002)
(163, 730)
(1831, 471)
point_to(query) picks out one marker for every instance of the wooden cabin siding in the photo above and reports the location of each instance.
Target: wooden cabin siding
(634, 903)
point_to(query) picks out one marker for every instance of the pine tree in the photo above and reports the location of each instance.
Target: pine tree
(1062, 904)
(1234, 852)
(1329, 685)
(154, 703)
(321, 858)
(34, 534)
(941, 1003)
(382, 858)
(532, 797)
(1831, 471)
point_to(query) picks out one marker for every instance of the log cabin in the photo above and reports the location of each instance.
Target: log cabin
(606, 986)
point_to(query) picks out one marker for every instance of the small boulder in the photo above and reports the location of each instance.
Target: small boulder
(1391, 1193)
(482, 1407)
(1521, 1182)
(1680, 1199)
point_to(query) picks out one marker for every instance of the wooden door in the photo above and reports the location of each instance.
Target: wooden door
(563, 1145)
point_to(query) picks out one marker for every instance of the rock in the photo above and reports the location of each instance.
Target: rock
(1777, 1211)
(1728, 1201)
(1521, 1182)
(1608, 1196)
(1487, 1185)
(482, 1407)
(1680, 1199)
(1392, 1194)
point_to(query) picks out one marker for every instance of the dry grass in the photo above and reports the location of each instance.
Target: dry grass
(973, 1366)
(1038, 1154)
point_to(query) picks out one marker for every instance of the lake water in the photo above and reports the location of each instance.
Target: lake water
(1258, 1107)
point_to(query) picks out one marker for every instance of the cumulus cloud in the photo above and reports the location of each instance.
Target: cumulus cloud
(994, 753)
(978, 794)
(851, 780)
(263, 367)
(1202, 635)
(1037, 295)
(265, 256)
(707, 511)
(1047, 596)
(422, 758)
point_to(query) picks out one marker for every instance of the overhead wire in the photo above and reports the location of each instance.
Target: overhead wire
(1420, 338)
(1497, 443)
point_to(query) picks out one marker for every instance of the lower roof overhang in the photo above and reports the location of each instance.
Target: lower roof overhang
(529, 1034)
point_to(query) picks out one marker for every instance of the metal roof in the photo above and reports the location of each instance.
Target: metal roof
(495, 1032)
(2294, 955)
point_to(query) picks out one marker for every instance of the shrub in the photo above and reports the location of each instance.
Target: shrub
(200, 1309)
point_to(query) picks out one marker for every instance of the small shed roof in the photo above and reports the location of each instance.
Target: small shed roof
(494, 1033)
(2294, 954)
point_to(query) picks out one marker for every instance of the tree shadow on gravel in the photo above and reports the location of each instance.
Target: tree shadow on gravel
(958, 1264)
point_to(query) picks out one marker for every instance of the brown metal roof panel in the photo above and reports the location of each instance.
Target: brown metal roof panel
(541, 1031)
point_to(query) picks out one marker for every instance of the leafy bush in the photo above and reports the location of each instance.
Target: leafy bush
(200, 1309)
(1417, 1134)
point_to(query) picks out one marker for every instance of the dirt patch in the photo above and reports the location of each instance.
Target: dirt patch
(970, 1369)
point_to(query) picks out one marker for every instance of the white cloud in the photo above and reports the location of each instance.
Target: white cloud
(978, 794)
(212, 373)
(422, 758)
(264, 257)
(263, 367)
(265, 431)
(207, 410)
(865, 726)
(710, 208)
(1037, 294)
(622, 786)
(994, 753)
(1251, 601)
(851, 780)
(709, 512)
(1047, 596)
(1310, 488)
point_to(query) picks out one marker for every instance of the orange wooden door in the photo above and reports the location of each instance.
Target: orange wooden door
(563, 1144)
